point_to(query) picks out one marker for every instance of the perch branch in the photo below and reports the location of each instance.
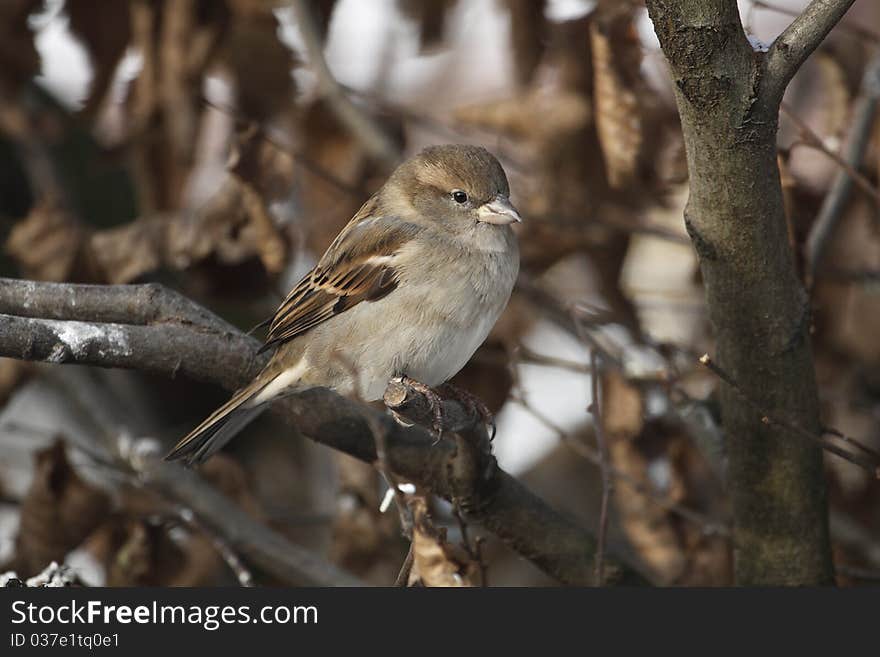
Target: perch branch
(200, 346)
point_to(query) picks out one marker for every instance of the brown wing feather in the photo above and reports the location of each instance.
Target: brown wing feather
(354, 269)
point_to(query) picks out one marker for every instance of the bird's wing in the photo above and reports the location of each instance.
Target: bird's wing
(358, 266)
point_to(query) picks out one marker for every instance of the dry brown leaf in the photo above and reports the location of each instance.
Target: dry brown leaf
(227, 475)
(125, 253)
(235, 224)
(328, 147)
(105, 31)
(361, 534)
(17, 50)
(177, 40)
(551, 121)
(561, 113)
(257, 160)
(264, 172)
(47, 243)
(848, 311)
(12, 373)
(618, 93)
(148, 556)
(836, 93)
(646, 524)
(260, 66)
(58, 511)
(430, 17)
(528, 35)
(436, 562)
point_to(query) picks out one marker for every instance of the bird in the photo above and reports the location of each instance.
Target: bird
(409, 288)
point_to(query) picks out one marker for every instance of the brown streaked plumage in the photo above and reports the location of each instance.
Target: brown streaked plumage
(411, 286)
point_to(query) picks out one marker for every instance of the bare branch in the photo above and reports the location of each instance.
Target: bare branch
(799, 40)
(812, 140)
(259, 544)
(870, 465)
(242, 574)
(604, 465)
(201, 346)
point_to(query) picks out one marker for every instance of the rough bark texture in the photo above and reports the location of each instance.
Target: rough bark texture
(728, 97)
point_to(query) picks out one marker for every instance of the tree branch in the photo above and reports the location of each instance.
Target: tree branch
(151, 328)
(260, 545)
(791, 48)
(728, 99)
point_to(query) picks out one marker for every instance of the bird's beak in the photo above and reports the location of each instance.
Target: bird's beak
(498, 211)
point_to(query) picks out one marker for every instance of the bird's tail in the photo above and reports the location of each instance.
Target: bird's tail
(221, 426)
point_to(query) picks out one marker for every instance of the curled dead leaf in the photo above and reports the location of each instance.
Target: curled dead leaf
(361, 534)
(260, 66)
(618, 94)
(528, 35)
(12, 372)
(647, 525)
(58, 511)
(149, 555)
(436, 562)
(47, 243)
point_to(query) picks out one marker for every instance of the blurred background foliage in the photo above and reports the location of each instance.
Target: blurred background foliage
(209, 146)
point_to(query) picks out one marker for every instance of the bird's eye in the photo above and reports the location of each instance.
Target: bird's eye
(459, 196)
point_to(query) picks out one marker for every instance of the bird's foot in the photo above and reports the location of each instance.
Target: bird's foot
(473, 404)
(435, 402)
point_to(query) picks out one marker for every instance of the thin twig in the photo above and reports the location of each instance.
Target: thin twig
(870, 465)
(811, 139)
(406, 568)
(380, 440)
(526, 355)
(851, 441)
(299, 157)
(707, 525)
(604, 465)
(479, 542)
(229, 556)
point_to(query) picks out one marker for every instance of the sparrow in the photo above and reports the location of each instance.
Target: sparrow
(409, 288)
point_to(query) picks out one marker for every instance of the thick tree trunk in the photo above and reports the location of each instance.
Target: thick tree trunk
(728, 96)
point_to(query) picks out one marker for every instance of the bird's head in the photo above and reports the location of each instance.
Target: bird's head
(458, 186)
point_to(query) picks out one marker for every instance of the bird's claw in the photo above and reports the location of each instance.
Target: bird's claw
(474, 405)
(434, 401)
